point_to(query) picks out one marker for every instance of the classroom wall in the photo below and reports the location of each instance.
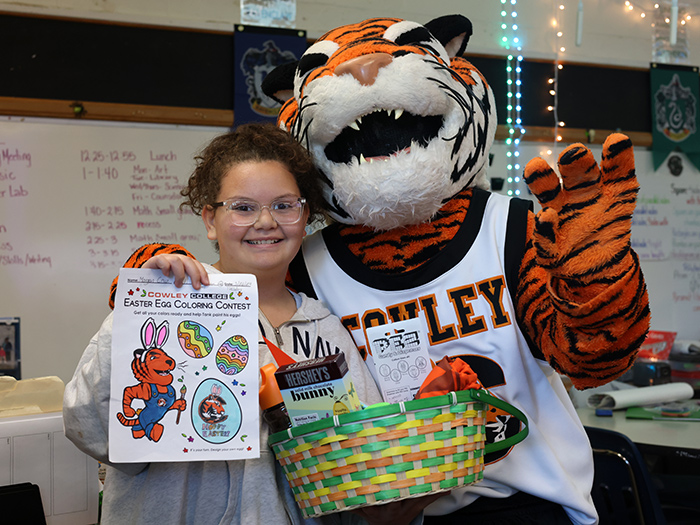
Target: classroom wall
(76, 200)
(610, 35)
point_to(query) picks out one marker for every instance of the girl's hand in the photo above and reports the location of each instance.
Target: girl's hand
(180, 267)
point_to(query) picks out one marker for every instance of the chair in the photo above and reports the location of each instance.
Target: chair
(21, 504)
(623, 492)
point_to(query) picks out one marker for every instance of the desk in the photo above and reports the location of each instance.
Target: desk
(671, 451)
(672, 434)
(669, 447)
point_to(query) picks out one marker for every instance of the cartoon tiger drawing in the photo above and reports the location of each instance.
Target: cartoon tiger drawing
(152, 367)
(212, 408)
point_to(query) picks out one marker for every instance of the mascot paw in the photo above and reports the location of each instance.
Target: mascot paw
(583, 229)
(140, 256)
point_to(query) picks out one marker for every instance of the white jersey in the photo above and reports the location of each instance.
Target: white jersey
(462, 299)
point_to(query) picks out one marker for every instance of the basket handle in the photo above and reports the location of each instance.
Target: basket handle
(484, 396)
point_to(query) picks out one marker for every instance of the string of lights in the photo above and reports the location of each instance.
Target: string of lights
(511, 41)
(668, 21)
(553, 81)
(671, 13)
(558, 66)
(681, 10)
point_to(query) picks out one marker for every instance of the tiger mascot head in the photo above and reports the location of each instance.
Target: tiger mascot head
(395, 120)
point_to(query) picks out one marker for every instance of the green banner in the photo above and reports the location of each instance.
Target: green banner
(675, 93)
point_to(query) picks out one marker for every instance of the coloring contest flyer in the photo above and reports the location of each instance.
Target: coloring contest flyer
(184, 383)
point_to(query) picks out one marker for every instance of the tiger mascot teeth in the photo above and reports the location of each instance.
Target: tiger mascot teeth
(378, 137)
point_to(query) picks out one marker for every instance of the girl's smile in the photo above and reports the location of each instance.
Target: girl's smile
(266, 247)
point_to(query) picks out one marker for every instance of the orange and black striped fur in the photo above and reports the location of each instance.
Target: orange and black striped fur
(417, 131)
(140, 256)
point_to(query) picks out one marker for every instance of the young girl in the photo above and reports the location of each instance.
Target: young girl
(256, 189)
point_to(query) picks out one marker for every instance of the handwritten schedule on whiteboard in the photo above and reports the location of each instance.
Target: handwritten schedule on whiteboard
(666, 236)
(666, 224)
(152, 185)
(76, 199)
(665, 233)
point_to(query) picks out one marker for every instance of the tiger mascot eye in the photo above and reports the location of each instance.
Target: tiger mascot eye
(400, 127)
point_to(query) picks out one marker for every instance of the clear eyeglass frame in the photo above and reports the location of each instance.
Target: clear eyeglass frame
(247, 212)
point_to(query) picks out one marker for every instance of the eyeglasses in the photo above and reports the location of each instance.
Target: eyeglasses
(246, 213)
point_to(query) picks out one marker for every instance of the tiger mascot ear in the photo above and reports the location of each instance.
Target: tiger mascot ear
(452, 31)
(278, 84)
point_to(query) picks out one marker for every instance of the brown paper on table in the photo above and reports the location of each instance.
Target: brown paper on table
(38, 395)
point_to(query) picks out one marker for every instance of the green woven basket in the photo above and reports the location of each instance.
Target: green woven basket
(389, 452)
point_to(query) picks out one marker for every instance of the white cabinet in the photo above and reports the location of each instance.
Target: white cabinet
(34, 449)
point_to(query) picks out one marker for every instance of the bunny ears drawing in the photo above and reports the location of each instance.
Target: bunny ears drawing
(152, 337)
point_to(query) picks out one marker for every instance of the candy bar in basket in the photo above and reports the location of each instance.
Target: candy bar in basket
(317, 388)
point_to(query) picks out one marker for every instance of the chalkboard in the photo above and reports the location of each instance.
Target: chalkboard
(76, 199)
(665, 232)
(111, 62)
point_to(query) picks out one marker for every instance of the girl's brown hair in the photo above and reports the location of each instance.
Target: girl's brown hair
(255, 142)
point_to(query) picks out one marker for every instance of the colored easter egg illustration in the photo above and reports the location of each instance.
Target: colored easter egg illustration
(195, 339)
(216, 413)
(232, 357)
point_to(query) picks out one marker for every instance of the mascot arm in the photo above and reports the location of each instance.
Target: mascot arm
(145, 252)
(582, 297)
(139, 258)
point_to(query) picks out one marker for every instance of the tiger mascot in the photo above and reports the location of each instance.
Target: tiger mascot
(400, 127)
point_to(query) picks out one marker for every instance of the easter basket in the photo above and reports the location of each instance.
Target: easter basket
(390, 452)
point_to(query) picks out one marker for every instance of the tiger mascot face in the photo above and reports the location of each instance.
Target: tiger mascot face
(395, 120)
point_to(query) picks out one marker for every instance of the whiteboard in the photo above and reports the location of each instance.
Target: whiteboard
(665, 233)
(76, 199)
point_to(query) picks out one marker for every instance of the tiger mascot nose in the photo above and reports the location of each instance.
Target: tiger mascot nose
(365, 67)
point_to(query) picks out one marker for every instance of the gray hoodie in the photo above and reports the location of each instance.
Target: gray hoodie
(246, 492)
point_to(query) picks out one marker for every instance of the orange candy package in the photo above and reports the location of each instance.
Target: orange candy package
(449, 374)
